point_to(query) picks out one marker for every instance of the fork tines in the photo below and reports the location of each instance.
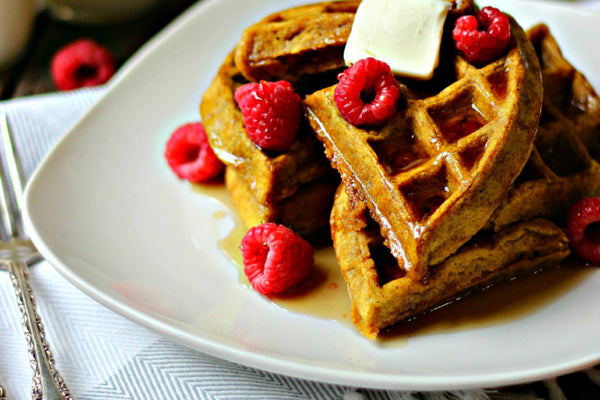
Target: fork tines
(11, 177)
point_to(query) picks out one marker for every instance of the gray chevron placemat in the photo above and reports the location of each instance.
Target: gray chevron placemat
(102, 355)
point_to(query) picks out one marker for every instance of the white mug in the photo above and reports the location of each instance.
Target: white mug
(98, 11)
(17, 18)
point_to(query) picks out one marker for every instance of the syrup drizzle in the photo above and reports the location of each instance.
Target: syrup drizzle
(324, 294)
(501, 303)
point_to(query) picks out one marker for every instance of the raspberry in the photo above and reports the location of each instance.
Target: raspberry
(367, 93)
(81, 63)
(483, 37)
(271, 112)
(583, 228)
(275, 258)
(190, 156)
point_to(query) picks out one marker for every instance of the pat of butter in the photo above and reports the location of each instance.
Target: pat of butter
(406, 34)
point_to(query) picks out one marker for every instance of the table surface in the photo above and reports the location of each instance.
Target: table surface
(31, 74)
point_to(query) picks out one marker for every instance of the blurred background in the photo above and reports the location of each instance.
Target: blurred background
(32, 31)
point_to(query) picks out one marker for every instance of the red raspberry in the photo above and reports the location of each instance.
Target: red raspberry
(271, 112)
(190, 156)
(81, 63)
(275, 258)
(367, 93)
(483, 37)
(583, 228)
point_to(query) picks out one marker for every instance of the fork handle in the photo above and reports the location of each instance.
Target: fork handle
(47, 383)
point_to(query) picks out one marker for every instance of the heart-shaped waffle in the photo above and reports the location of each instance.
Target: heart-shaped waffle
(382, 294)
(299, 41)
(303, 45)
(263, 183)
(562, 169)
(433, 175)
(564, 164)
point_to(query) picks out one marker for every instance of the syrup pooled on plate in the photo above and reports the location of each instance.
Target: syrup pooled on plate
(324, 294)
(499, 304)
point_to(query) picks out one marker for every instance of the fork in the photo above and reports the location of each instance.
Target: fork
(17, 252)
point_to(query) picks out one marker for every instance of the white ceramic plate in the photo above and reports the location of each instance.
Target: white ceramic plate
(106, 211)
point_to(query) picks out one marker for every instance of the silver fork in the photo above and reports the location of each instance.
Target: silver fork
(16, 254)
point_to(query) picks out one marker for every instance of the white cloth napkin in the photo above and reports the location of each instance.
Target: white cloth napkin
(102, 355)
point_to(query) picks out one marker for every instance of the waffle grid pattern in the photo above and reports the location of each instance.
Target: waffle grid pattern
(433, 176)
(563, 166)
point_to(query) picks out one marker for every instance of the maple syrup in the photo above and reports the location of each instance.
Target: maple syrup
(324, 294)
(498, 304)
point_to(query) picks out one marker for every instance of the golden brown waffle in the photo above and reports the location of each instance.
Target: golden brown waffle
(273, 178)
(303, 40)
(303, 45)
(382, 294)
(562, 169)
(563, 166)
(433, 176)
(306, 211)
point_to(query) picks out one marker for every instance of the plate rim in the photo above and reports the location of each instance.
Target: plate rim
(273, 364)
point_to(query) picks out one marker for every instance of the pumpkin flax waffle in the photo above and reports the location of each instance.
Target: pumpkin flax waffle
(518, 239)
(382, 294)
(294, 187)
(293, 43)
(433, 175)
(563, 165)
(261, 182)
(464, 187)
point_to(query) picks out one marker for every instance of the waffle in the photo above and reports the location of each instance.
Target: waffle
(382, 294)
(303, 45)
(300, 41)
(516, 240)
(433, 176)
(563, 166)
(306, 211)
(273, 178)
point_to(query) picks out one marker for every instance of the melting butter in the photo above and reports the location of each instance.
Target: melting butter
(406, 34)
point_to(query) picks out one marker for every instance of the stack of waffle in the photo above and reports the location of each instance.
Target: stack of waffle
(303, 45)
(465, 187)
